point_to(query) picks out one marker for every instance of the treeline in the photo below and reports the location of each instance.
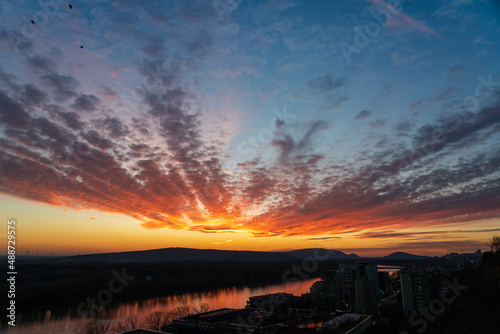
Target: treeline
(156, 321)
(62, 285)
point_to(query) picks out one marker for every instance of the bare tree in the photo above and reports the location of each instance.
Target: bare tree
(94, 327)
(203, 307)
(156, 320)
(180, 311)
(495, 243)
(126, 325)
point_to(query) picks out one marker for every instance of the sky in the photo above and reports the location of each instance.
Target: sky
(366, 126)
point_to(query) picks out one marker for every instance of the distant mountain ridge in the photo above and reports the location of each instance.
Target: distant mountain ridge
(321, 253)
(185, 254)
(177, 254)
(404, 256)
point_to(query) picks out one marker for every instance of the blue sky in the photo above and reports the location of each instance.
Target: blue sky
(360, 123)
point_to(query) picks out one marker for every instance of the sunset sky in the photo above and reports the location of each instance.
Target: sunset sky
(362, 126)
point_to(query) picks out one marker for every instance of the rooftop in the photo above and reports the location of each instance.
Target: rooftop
(142, 331)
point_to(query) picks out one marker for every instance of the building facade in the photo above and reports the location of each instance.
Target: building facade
(415, 291)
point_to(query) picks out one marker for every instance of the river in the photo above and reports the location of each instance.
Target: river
(62, 323)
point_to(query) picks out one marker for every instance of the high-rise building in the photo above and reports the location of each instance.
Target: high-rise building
(327, 286)
(371, 272)
(351, 288)
(346, 278)
(407, 293)
(421, 291)
(358, 287)
(366, 297)
(415, 291)
(326, 292)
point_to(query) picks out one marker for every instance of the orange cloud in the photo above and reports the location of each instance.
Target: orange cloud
(402, 19)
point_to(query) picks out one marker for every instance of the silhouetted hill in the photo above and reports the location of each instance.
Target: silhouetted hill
(323, 254)
(404, 256)
(186, 254)
(215, 255)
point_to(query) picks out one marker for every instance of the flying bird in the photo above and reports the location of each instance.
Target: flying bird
(70, 7)
(32, 21)
(81, 46)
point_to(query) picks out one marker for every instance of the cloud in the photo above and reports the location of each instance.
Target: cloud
(392, 234)
(362, 115)
(404, 126)
(423, 196)
(298, 97)
(481, 40)
(323, 238)
(332, 102)
(266, 94)
(32, 96)
(325, 84)
(453, 69)
(86, 102)
(445, 94)
(153, 45)
(451, 9)
(289, 147)
(107, 92)
(64, 86)
(68, 118)
(405, 57)
(15, 40)
(152, 153)
(407, 20)
(39, 63)
(114, 126)
(458, 126)
(12, 113)
(377, 123)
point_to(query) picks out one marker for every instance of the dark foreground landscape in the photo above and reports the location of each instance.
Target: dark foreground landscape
(463, 290)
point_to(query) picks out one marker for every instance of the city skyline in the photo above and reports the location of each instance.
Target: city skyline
(361, 126)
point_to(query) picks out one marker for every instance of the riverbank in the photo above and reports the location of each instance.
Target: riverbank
(61, 286)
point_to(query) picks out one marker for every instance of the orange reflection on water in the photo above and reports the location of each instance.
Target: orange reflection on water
(229, 297)
(114, 312)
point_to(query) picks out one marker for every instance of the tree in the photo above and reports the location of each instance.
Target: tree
(495, 243)
(201, 308)
(180, 311)
(94, 327)
(156, 320)
(126, 325)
